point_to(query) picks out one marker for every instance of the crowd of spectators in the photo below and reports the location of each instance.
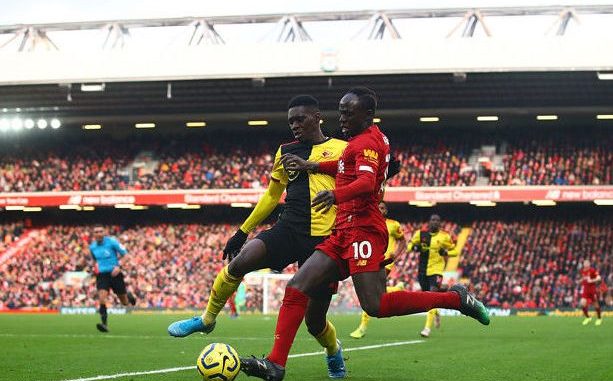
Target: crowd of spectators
(556, 163)
(525, 264)
(535, 264)
(196, 163)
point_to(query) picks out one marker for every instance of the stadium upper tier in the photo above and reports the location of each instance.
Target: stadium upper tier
(525, 263)
(188, 163)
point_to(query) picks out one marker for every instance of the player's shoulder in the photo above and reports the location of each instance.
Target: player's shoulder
(291, 147)
(337, 143)
(391, 221)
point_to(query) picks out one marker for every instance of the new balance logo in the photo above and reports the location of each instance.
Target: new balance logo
(470, 300)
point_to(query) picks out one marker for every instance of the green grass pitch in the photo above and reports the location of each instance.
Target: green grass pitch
(54, 348)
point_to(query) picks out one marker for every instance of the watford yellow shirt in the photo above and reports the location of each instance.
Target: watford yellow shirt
(429, 244)
(302, 187)
(394, 232)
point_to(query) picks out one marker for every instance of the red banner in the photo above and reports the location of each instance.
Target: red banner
(251, 196)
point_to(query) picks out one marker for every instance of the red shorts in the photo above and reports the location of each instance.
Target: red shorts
(589, 295)
(356, 250)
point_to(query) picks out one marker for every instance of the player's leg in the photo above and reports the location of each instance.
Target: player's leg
(365, 318)
(598, 312)
(318, 270)
(433, 283)
(252, 257)
(360, 332)
(583, 302)
(399, 303)
(102, 298)
(425, 285)
(325, 333)
(118, 285)
(232, 304)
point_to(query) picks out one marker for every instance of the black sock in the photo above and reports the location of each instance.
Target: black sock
(103, 314)
(131, 298)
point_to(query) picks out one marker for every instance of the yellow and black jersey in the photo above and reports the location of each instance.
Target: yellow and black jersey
(430, 261)
(394, 232)
(301, 187)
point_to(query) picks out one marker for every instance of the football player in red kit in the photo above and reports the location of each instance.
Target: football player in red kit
(589, 293)
(358, 242)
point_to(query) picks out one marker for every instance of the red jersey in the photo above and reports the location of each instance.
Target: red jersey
(366, 156)
(588, 288)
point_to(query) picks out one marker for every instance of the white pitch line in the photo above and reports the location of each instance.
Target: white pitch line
(107, 336)
(181, 368)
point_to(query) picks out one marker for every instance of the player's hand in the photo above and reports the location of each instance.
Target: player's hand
(393, 168)
(386, 262)
(442, 252)
(116, 271)
(292, 162)
(323, 201)
(234, 245)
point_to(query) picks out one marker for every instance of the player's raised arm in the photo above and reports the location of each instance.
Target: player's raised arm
(266, 204)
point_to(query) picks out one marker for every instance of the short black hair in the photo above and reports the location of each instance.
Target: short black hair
(303, 100)
(367, 97)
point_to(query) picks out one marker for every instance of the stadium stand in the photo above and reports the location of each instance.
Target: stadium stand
(195, 163)
(173, 265)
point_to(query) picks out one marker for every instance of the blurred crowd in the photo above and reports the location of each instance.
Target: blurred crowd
(524, 264)
(535, 264)
(556, 163)
(197, 163)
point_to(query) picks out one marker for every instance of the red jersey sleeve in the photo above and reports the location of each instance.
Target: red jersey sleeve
(366, 165)
(367, 159)
(328, 167)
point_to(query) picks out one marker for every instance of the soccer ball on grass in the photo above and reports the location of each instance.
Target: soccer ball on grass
(218, 362)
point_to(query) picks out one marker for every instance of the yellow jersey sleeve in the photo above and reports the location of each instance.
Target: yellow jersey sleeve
(449, 245)
(278, 173)
(415, 240)
(396, 230)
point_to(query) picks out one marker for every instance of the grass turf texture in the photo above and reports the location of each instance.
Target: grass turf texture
(53, 347)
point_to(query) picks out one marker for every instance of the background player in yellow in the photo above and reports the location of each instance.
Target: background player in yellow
(395, 246)
(434, 247)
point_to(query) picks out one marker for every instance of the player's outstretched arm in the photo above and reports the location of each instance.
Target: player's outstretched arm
(266, 204)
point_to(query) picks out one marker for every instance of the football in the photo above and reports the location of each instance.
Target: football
(218, 361)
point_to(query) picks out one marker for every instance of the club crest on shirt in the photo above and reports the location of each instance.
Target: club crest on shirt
(326, 154)
(341, 166)
(292, 175)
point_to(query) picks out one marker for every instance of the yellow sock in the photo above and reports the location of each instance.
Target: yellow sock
(327, 339)
(224, 286)
(394, 288)
(430, 318)
(364, 321)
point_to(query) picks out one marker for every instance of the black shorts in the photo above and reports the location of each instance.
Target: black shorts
(430, 283)
(104, 281)
(285, 246)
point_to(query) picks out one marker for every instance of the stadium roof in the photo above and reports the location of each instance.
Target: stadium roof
(401, 96)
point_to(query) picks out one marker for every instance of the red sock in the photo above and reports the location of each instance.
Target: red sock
(598, 312)
(585, 312)
(290, 317)
(406, 302)
(232, 305)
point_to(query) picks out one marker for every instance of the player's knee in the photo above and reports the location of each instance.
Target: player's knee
(234, 268)
(301, 285)
(315, 326)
